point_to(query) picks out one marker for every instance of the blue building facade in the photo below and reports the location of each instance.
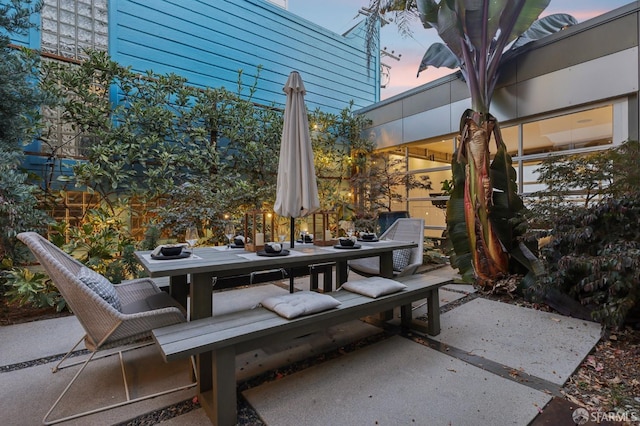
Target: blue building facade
(208, 42)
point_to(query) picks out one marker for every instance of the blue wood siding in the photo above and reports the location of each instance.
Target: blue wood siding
(209, 41)
(31, 37)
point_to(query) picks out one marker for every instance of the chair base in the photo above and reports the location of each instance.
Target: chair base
(128, 400)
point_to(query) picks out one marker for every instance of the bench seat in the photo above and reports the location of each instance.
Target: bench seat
(216, 340)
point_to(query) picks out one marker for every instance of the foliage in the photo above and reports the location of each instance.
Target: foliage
(197, 154)
(18, 204)
(103, 243)
(484, 215)
(25, 287)
(383, 181)
(586, 177)
(339, 146)
(594, 256)
(626, 168)
(149, 141)
(15, 17)
(19, 114)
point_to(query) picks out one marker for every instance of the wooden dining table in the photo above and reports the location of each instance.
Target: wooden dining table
(206, 264)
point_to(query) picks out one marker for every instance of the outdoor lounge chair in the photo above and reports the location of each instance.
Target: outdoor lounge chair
(140, 306)
(404, 229)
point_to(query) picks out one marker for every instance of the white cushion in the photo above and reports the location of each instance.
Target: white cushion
(401, 259)
(101, 286)
(374, 286)
(300, 303)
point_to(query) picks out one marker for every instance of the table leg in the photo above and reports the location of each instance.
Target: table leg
(179, 289)
(341, 273)
(386, 265)
(219, 400)
(201, 307)
(201, 291)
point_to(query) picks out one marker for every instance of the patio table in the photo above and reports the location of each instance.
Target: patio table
(208, 262)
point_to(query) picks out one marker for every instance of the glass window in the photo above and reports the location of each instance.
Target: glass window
(510, 139)
(431, 153)
(583, 129)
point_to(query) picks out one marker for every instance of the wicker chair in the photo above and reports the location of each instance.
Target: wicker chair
(143, 307)
(403, 229)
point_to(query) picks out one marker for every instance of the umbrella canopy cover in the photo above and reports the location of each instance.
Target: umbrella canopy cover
(297, 189)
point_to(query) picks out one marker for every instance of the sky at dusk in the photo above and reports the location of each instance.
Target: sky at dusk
(340, 15)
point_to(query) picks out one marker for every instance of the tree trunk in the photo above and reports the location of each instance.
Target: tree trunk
(490, 261)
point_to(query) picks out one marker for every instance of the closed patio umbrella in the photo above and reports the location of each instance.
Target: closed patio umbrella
(297, 189)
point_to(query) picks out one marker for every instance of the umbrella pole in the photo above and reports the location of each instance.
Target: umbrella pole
(293, 232)
(293, 240)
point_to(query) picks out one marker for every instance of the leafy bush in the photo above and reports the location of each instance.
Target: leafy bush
(103, 243)
(26, 287)
(594, 256)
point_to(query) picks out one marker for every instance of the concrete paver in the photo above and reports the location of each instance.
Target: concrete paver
(542, 344)
(393, 381)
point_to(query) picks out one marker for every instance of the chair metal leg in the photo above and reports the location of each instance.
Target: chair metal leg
(57, 366)
(124, 378)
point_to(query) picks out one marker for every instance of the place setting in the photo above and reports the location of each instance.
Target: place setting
(176, 251)
(347, 243)
(273, 250)
(170, 251)
(368, 237)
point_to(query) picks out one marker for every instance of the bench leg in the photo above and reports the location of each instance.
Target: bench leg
(328, 279)
(341, 273)
(433, 315)
(219, 401)
(313, 279)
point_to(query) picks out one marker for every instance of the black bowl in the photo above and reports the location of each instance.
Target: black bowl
(171, 250)
(346, 242)
(273, 248)
(368, 237)
(239, 242)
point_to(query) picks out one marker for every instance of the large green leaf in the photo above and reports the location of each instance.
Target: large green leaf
(472, 18)
(450, 30)
(456, 223)
(543, 27)
(428, 12)
(523, 18)
(506, 202)
(438, 55)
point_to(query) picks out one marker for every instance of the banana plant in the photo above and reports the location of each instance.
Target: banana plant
(483, 210)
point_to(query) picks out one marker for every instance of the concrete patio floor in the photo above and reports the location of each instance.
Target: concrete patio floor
(493, 363)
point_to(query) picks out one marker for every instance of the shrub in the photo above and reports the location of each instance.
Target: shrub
(594, 256)
(26, 287)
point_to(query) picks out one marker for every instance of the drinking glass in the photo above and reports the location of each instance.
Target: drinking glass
(282, 233)
(229, 231)
(191, 236)
(350, 231)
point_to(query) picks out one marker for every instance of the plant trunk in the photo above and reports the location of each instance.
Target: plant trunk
(490, 261)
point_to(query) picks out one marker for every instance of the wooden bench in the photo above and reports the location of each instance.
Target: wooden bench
(215, 341)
